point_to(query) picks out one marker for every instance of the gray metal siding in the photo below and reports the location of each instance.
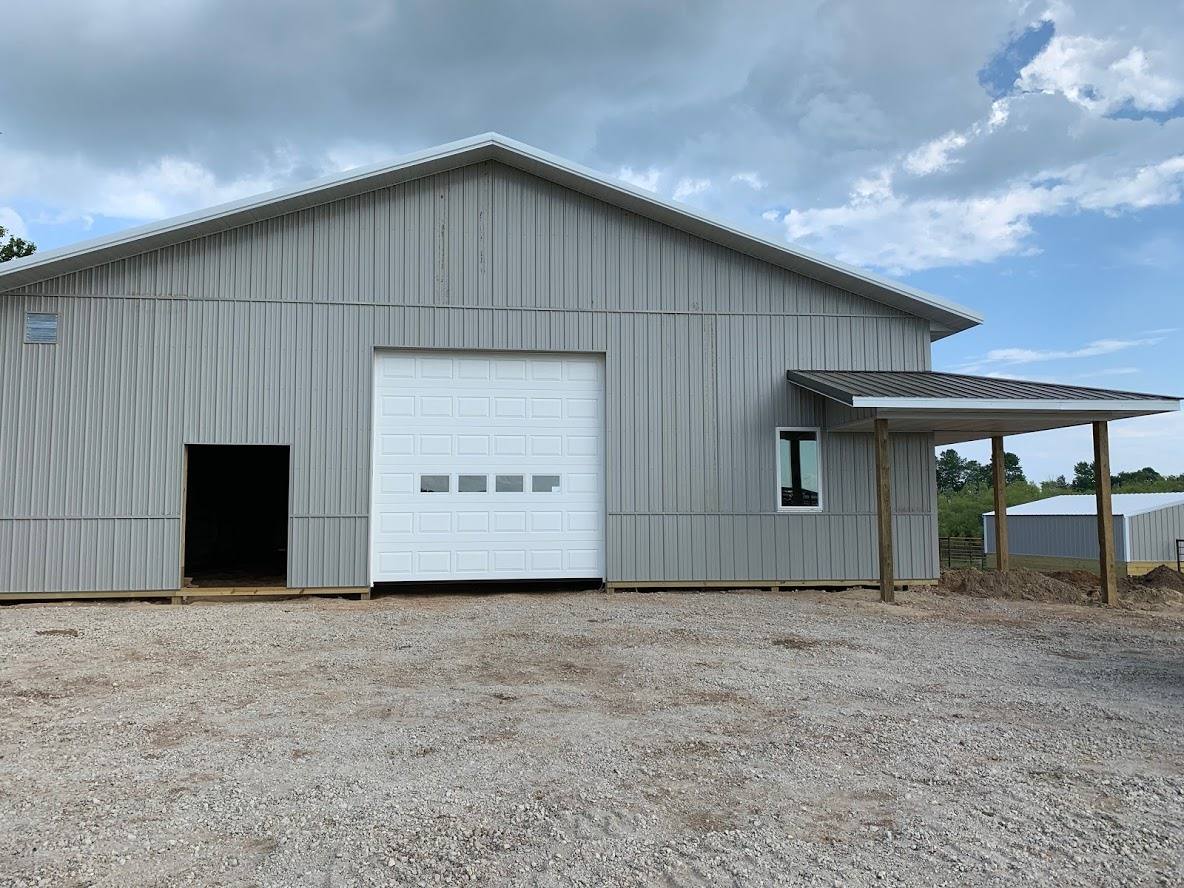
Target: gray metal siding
(1055, 536)
(1154, 534)
(265, 334)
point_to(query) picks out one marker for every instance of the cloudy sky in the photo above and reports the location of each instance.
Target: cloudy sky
(1023, 158)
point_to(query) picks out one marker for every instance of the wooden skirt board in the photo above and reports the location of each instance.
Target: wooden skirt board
(190, 593)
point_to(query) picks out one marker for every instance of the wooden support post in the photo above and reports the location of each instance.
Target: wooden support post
(1106, 567)
(999, 477)
(884, 510)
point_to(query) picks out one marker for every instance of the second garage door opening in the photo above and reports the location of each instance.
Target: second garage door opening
(236, 515)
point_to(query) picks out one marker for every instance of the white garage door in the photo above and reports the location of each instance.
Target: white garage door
(487, 466)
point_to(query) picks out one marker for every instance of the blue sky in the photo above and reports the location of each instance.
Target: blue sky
(1023, 158)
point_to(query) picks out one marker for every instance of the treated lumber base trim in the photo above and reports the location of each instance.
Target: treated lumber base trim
(193, 593)
(738, 585)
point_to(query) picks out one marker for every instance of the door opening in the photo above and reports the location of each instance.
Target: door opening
(236, 515)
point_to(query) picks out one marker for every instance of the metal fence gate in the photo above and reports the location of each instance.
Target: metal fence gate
(955, 551)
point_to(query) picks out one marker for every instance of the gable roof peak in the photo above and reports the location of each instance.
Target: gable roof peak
(944, 317)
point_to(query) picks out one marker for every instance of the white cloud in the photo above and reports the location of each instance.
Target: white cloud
(1163, 428)
(934, 156)
(1150, 186)
(349, 156)
(881, 224)
(892, 232)
(1101, 76)
(11, 220)
(879, 227)
(1091, 350)
(166, 187)
(1111, 371)
(646, 180)
(1164, 250)
(690, 187)
(752, 180)
(65, 217)
(170, 186)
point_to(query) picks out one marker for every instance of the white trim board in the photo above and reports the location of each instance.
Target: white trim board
(1132, 405)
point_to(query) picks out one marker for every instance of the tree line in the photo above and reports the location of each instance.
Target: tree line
(965, 488)
(13, 247)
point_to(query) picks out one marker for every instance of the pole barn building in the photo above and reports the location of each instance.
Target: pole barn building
(1059, 532)
(480, 362)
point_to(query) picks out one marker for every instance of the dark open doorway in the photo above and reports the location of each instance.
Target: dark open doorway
(236, 515)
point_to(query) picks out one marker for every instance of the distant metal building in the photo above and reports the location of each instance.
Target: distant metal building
(1061, 531)
(479, 362)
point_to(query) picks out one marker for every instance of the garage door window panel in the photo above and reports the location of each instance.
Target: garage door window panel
(472, 484)
(434, 484)
(508, 484)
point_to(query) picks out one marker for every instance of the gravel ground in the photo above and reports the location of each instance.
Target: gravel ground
(592, 739)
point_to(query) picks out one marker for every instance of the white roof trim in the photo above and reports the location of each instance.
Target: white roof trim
(1131, 405)
(1121, 504)
(945, 317)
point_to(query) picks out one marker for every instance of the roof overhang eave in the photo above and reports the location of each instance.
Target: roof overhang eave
(963, 406)
(956, 426)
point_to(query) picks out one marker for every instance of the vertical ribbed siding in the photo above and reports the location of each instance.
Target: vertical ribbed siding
(1153, 534)
(265, 334)
(1055, 536)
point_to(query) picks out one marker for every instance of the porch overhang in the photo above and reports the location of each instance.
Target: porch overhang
(958, 407)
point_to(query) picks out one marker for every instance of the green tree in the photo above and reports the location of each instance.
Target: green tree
(1083, 477)
(951, 471)
(1054, 487)
(1145, 475)
(14, 247)
(977, 476)
(961, 513)
(1013, 473)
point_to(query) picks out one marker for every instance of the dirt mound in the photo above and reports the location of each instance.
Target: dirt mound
(1160, 586)
(1020, 583)
(1082, 579)
(1163, 577)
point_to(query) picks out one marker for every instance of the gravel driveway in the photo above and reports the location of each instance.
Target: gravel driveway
(592, 739)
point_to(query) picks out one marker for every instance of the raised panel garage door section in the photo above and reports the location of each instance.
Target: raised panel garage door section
(487, 466)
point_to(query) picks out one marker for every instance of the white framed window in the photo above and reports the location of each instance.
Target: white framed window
(799, 469)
